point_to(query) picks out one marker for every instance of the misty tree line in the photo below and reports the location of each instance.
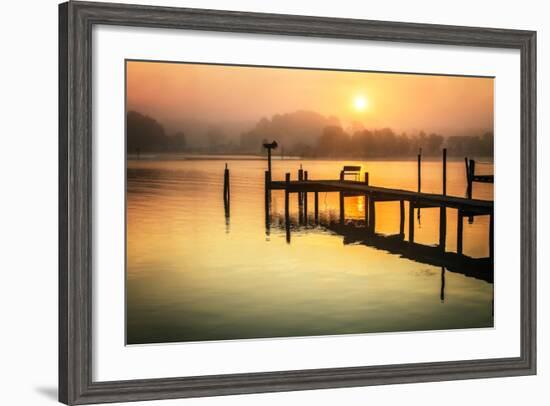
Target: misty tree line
(318, 137)
(324, 137)
(335, 142)
(145, 134)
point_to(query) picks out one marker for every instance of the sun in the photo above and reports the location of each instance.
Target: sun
(360, 103)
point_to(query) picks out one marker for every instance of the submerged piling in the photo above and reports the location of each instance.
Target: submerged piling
(444, 171)
(366, 197)
(419, 169)
(287, 209)
(226, 187)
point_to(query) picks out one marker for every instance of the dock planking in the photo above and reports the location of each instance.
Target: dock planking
(420, 199)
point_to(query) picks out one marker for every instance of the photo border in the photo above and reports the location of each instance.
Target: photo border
(76, 20)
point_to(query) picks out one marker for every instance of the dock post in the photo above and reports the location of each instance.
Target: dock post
(459, 232)
(411, 221)
(342, 211)
(226, 187)
(472, 174)
(468, 181)
(316, 207)
(442, 228)
(300, 197)
(305, 198)
(287, 209)
(267, 203)
(444, 171)
(419, 178)
(419, 169)
(402, 218)
(372, 216)
(442, 293)
(366, 201)
(226, 197)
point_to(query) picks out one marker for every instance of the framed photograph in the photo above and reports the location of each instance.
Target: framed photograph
(258, 202)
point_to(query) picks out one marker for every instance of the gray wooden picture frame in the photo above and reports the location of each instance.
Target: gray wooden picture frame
(76, 20)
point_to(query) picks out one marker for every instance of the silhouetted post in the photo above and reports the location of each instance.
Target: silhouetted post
(472, 174)
(366, 200)
(491, 236)
(267, 203)
(402, 218)
(300, 197)
(442, 293)
(226, 200)
(459, 232)
(316, 207)
(372, 215)
(305, 198)
(287, 209)
(226, 187)
(411, 222)
(419, 178)
(444, 171)
(468, 180)
(442, 227)
(419, 169)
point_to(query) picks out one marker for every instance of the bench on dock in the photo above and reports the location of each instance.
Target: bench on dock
(352, 170)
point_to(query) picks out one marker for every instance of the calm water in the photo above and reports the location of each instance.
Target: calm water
(193, 274)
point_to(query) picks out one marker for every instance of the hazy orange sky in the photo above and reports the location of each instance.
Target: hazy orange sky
(172, 92)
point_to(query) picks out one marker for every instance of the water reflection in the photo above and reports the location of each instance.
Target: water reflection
(201, 267)
(357, 232)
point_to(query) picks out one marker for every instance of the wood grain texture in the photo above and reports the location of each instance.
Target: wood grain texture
(76, 20)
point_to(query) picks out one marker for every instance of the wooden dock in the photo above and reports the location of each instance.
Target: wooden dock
(414, 200)
(376, 193)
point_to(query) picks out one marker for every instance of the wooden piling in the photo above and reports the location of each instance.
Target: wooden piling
(442, 227)
(470, 170)
(402, 218)
(226, 186)
(444, 171)
(442, 292)
(372, 215)
(419, 175)
(287, 209)
(300, 196)
(267, 203)
(411, 222)
(304, 197)
(419, 169)
(365, 205)
(459, 232)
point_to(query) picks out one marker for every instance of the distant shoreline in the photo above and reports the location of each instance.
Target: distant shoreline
(255, 157)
